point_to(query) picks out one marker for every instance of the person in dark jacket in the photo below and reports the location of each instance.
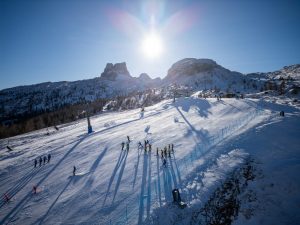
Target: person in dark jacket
(164, 162)
(49, 157)
(74, 170)
(35, 162)
(41, 160)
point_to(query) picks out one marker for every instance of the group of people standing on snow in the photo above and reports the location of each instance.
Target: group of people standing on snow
(45, 159)
(165, 152)
(147, 146)
(127, 144)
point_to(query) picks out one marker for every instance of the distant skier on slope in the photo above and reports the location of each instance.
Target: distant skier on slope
(34, 189)
(150, 147)
(45, 159)
(74, 170)
(41, 160)
(157, 152)
(123, 145)
(128, 138)
(127, 146)
(35, 163)
(6, 197)
(164, 162)
(49, 157)
(140, 145)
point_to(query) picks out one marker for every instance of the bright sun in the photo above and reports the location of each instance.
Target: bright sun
(152, 46)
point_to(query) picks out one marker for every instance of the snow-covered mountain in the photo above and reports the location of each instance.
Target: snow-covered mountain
(287, 78)
(207, 74)
(115, 80)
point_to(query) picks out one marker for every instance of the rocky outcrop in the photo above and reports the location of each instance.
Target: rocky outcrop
(144, 77)
(190, 66)
(111, 71)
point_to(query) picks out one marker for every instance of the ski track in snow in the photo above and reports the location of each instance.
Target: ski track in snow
(118, 187)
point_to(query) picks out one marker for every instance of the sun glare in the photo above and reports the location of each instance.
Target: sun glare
(152, 46)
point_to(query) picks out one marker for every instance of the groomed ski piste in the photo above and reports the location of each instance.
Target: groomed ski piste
(212, 140)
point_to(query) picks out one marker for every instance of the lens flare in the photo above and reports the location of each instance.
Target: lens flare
(152, 46)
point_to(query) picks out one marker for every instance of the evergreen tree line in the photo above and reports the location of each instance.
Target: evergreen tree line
(27, 122)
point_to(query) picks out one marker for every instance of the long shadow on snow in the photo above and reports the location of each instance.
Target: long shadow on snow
(125, 123)
(19, 206)
(149, 187)
(122, 155)
(47, 213)
(203, 134)
(120, 176)
(158, 179)
(144, 178)
(177, 169)
(136, 169)
(167, 182)
(93, 168)
(20, 184)
(174, 178)
(201, 105)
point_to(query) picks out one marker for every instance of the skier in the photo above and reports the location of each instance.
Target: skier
(150, 146)
(35, 163)
(145, 147)
(123, 145)
(34, 189)
(74, 170)
(169, 153)
(127, 146)
(169, 147)
(172, 147)
(49, 157)
(157, 152)
(162, 153)
(165, 151)
(128, 138)
(45, 159)
(165, 163)
(41, 160)
(6, 197)
(140, 145)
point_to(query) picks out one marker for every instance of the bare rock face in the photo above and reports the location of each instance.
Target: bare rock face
(190, 66)
(112, 71)
(144, 77)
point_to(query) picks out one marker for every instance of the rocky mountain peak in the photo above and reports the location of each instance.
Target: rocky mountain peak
(191, 66)
(111, 71)
(145, 77)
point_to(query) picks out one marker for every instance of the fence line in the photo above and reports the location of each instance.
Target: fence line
(192, 156)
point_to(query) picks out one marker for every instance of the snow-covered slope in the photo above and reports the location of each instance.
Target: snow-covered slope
(211, 138)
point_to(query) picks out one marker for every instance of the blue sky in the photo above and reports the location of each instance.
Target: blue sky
(72, 40)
